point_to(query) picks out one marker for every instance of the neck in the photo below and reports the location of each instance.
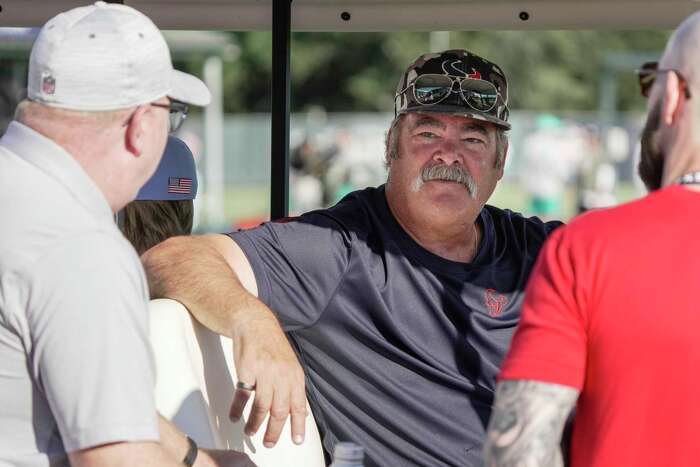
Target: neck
(680, 162)
(690, 180)
(96, 164)
(453, 236)
(681, 148)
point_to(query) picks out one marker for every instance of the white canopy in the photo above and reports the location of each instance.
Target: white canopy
(386, 15)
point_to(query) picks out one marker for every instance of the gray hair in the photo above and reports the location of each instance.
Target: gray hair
(28, 111)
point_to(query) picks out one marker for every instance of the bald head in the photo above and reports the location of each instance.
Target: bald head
(683, 49)
(670, 143)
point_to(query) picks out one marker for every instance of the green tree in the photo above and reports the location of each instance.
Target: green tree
(547, 70)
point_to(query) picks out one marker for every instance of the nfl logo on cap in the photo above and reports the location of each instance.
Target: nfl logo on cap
(48, 84)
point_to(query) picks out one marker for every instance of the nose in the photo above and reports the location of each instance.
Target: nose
(449, 153)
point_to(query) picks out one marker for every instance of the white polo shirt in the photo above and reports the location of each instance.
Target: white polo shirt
(76, 369)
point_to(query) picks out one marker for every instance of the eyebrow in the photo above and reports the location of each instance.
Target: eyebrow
(432, 122)
(428, 121)
(475, 127)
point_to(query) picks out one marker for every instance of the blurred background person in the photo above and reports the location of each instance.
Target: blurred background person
(550, 157)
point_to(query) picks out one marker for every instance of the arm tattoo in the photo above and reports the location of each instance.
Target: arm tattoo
(526, 424)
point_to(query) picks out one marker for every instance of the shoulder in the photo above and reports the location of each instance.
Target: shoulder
(356, 207)
(96, 256)
(509, 223)
(94, 270)
(633, 216)
(351, 217)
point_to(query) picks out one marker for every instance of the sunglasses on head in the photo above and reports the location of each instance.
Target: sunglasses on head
(479, 94)
(648, 72)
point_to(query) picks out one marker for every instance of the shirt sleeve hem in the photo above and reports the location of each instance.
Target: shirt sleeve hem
(92, 437)
(251, 253)
(545, 371)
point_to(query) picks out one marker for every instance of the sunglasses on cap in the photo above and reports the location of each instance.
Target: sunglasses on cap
(648, 72)
(430, 89)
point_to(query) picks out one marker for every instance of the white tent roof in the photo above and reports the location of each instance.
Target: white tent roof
(386, 15)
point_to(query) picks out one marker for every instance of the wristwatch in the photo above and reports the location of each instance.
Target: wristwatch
(191, 453)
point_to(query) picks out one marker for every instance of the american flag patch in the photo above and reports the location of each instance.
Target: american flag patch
(180, 185)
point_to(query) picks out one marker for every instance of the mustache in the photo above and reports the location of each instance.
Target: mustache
(450, 173)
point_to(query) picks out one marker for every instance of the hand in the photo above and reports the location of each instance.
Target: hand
(219, 458)
(264, 358)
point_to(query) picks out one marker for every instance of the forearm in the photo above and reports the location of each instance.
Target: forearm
(212, 277)
(526, 424)
(192, 271)
(123, 455)
(175, 443)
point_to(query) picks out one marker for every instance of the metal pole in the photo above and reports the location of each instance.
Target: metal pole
(279, 164)
(214, 143)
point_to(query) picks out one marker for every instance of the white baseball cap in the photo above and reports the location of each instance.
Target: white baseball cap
(106, 57)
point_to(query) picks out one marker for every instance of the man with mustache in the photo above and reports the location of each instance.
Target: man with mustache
(400, 301)
(610, 319)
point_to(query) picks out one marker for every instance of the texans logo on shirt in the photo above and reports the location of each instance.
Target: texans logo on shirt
(495, 302)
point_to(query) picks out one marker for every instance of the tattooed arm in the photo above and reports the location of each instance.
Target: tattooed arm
(526, 424)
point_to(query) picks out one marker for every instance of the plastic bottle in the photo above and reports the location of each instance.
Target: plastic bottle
(347, 454)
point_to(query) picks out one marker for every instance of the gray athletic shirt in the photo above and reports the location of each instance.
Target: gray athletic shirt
(401, 347)
(76, 369)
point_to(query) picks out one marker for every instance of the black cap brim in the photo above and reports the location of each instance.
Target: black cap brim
(460, 111)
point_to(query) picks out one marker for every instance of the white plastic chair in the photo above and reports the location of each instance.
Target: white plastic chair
(194, 389)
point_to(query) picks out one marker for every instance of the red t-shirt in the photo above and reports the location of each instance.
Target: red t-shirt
(612, 309)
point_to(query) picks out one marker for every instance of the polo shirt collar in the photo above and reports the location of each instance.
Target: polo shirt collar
(52, 159)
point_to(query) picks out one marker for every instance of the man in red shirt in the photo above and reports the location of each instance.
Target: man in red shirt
(610, 321)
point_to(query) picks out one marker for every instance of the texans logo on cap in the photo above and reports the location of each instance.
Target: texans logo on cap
(474, 74)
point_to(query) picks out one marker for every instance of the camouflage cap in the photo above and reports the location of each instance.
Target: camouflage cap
(457, 63)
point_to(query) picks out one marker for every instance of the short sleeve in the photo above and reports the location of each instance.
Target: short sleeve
(87, 315)
(298, 265)
(550, 342)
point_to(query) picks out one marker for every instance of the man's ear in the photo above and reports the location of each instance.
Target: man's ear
(672, 101)
(135, 131)
(502, 167)
(387, 148)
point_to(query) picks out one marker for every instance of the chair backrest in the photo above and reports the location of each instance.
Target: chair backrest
(195, 385)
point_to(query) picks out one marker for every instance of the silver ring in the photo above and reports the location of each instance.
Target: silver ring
(245, 386)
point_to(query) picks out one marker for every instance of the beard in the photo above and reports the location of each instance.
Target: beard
(448, 173)
(651, 161)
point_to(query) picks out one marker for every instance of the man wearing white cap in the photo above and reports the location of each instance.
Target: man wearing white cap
(76, 372)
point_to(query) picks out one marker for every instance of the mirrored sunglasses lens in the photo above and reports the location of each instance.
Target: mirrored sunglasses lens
(177, 117)
(431, 89)
(646, 81)
(479, 94)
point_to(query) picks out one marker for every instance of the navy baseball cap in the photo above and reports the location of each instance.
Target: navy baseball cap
(175, 178)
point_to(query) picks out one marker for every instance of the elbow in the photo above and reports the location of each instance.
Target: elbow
(160, 260)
